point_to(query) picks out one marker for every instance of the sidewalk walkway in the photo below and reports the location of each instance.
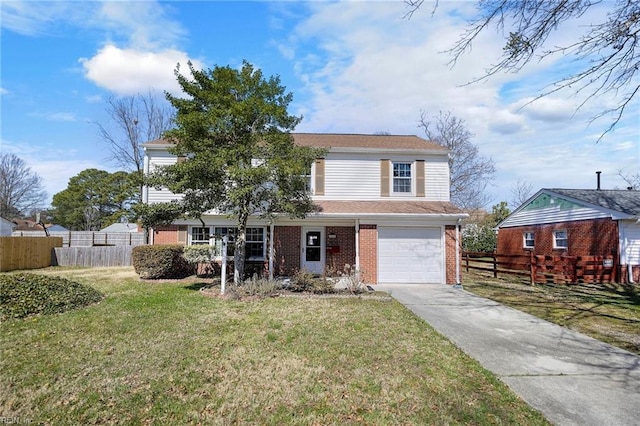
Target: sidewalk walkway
(570, 378)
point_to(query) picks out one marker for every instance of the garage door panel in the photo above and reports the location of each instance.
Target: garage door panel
(409, 255)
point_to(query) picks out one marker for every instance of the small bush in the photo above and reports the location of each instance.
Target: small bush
(155, 262)
(255, 287)
(202, 258)
(322, 286)
(200, 253)
(350, 277)
(302, 280)
(27, 294)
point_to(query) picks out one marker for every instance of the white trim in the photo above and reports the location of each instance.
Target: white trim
(555, 239)
(316, 267)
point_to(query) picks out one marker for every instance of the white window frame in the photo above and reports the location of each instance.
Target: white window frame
(556, 239)
(222, 230)
(528, 237)
(404, 178)
(310, 180)
(195, 242)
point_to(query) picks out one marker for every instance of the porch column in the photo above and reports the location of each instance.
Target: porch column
(357, 245)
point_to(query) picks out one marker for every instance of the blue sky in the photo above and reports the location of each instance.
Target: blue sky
(353, 67)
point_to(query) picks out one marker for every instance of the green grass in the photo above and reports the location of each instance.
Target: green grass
(607, 312)
(158, 353)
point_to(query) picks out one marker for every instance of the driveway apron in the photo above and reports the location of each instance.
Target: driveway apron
(570, 378)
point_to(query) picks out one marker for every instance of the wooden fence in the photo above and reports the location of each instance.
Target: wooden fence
(89, 238)
(545, 269)
(93, 256)
(27, 252)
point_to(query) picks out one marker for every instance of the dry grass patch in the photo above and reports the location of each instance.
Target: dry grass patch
(607, 312)
(162, 353)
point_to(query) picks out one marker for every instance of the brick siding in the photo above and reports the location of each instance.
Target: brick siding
(286, 245)
(450, 254)
(369, 253)
(597, 237)
(165, 235)
(345, 239)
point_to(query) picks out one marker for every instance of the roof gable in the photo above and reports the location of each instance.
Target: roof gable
(623, 201)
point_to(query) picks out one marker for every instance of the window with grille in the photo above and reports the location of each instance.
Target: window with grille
(200, 235)
(560, 240)
(528, 240)
(254, 242)
(402, 177)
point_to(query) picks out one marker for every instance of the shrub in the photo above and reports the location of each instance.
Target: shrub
(302, 280)
(164, 261)
(350, 277)
(201, 257)
(254, 287)
(27, 294)
(199, 253)
(322, 286)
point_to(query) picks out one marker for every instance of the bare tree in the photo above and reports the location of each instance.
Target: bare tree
(632, 181)
(609, 50)
(20, 189)
(138, 119)
(520, 193)
(470, 171)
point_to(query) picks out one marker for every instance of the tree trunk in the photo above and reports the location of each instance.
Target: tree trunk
(239, 256)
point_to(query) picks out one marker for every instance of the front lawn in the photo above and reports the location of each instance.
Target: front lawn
(607, 312)
(160, 353)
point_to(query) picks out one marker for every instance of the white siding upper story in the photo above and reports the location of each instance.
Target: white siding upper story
(348, 176)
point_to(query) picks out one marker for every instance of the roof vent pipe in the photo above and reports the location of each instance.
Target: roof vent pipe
(598, 174)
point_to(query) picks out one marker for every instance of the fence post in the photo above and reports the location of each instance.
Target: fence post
(495, 265)
(532, 264)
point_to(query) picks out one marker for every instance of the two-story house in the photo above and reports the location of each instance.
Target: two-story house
(383, 207)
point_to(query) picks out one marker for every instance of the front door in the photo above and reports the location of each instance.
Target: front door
(313, 250)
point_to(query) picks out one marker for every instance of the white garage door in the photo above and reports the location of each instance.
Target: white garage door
(631, 244)
(409, 255)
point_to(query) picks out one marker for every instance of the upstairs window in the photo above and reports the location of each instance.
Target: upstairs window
(528, 240)
(560, 240)
(402, 178)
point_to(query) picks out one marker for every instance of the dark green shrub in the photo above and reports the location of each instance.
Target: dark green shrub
(26, 294)
(155, 262)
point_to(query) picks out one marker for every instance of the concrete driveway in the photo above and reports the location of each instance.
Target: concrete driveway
(570, 378)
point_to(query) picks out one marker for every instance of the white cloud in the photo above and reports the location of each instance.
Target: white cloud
(3, 91)
(61, 116)
(365, 70)
(129, 71)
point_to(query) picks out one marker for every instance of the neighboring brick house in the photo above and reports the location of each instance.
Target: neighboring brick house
(577, 222)
(383, 208)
